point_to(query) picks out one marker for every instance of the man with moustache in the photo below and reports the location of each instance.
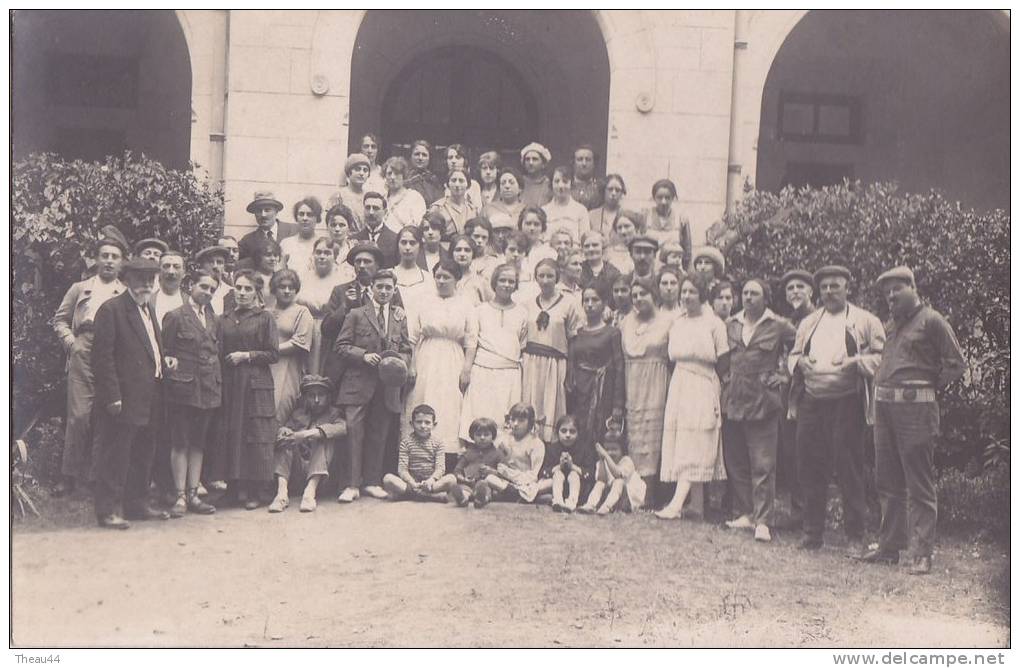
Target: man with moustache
(265, 207)
(168, 295)
(234, 254)
(834, 359)
(74, 323)
(921, 356)
(214, 260)
(376, 232)
(127, 359)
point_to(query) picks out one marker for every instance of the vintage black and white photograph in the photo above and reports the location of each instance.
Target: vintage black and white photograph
(571, 328)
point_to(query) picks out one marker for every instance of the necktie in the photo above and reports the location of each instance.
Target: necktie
(269, 235)
(382, 317)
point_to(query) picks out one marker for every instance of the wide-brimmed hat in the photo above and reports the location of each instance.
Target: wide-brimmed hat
(140, 265)
(365, 247)
(392, 369)
(263, 197)
(211, 251)
(311, 380)
(802, 274)
(832, 270)
(643, 240)
(712, 253)
(150, 242)
(902, 273)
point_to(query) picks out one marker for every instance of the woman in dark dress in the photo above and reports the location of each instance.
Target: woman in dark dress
(249, 344)
(595, 382)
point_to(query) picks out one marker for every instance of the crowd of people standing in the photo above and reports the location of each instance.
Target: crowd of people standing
(496, 334)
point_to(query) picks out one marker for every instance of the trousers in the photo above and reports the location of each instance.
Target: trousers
(124, 454)
(830, 431)
(368, 428)
(905, 475)
(749, 452)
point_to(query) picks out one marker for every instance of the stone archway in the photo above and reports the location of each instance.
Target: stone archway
(91, 83)
(917, 97)
(560, 58)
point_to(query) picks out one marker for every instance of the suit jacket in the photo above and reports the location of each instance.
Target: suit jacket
(123, 361)
(70, 317)
(333, 315)
(362, 334)
(197, 381)
(422, 264)
(387, 243)
(747, 394)
(250, 243)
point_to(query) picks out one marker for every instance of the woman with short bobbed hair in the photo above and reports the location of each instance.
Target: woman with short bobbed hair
(420, 176)
(563, 212)
(296, 329)
(456, 208)
(403, 206)
(495, 377)
(457, 158)
(267, 261)
(469, 285)
(596, 272)
(691, 446)
(487, 258)
(601, 219)
(488, 177)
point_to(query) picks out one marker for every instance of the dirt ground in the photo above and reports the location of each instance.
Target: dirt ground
(402, 574)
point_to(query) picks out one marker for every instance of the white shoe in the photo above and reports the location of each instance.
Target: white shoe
(202, 491)
(218, 486)
(308, 504)
(742, 522)
(762, 534)
(348, 495)
(376, 492)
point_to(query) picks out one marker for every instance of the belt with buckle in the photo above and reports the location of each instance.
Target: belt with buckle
(905, 394)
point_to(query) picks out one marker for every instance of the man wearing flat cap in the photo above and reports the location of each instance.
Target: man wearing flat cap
(311, 434)
(921, 357)
(214, 260)
(74, 323)
(642, 252)
(150, 249)
(128, 363)
(265, 207)
(833, 362)
(370, 401)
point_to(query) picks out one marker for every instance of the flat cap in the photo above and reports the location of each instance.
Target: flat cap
(833, 270)
(150, 242)
(643, 240)
(902, 272)
(212, 251)
(310, 380)
(392, 369)
(802, 274)
(140, 265)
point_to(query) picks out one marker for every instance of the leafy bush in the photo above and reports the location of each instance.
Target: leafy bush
(57, 210)
(968, 502)
(960, 260)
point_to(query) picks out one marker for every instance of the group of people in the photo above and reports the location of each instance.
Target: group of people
(519, 336)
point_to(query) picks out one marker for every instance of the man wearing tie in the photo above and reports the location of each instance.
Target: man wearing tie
(369, 405)
(376, 232)
(265, 207)
(127, 360)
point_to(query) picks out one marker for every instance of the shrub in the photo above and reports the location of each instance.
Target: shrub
(57, 210)
(960, 260)
(975, 502)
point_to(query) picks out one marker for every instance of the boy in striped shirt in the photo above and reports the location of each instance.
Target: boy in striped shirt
(421, 463)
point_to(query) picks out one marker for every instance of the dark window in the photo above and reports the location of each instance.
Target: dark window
(814, 117)
(816, 174)
(89, 143)
(85, 80)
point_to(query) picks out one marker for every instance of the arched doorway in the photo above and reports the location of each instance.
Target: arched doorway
(919, 97)
(488, 79)
(87, 84)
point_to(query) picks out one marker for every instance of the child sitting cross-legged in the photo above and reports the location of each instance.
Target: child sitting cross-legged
(421, 462)
(523, 452)
(479, 460)
(615, 477)
(568, 467)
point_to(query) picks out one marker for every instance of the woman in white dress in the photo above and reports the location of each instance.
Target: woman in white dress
(564, 212)
(316, 287)
(495, 380)
(414, 284)
(691, 447)
(444, 336)
(469, 284)
(403, 205)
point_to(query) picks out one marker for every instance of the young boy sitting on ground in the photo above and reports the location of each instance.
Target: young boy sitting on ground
(479, 460)
(616, 471)
(523, 453)
(421, 462)
(311, 433)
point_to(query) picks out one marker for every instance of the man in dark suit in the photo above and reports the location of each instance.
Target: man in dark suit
(366, 258)
(265, 207)
(377, 232)
(370, 401)
(127, 360)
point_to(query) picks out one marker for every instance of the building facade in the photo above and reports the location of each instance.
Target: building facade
(710, 99)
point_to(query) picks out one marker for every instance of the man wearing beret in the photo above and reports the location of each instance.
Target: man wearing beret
(921, 356)
(370, 403)
(74, 323)
(127, 360)
(265, 207)
(833, 362)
